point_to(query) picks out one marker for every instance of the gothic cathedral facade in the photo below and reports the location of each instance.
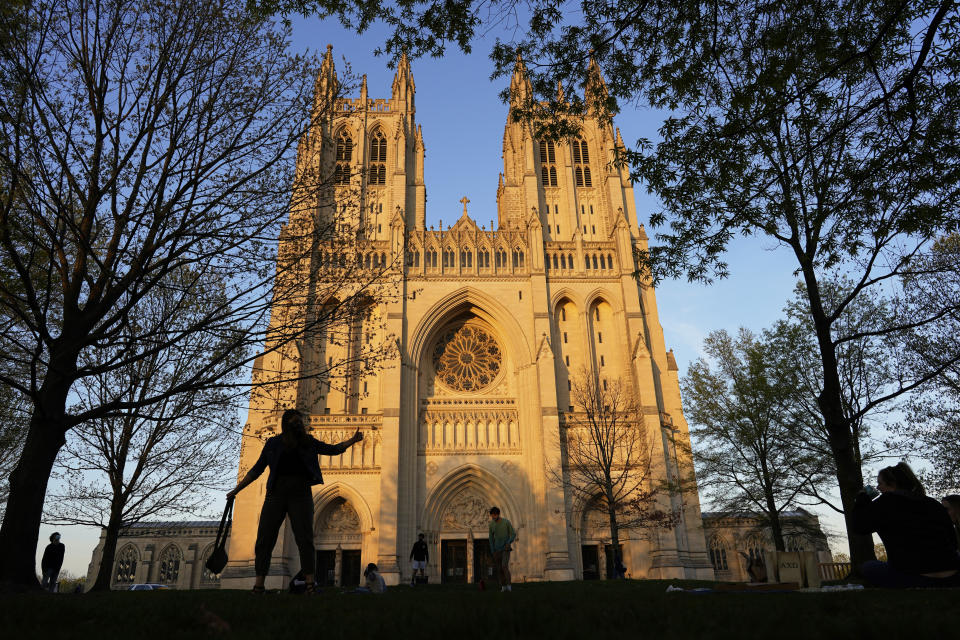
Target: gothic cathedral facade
(488, 331)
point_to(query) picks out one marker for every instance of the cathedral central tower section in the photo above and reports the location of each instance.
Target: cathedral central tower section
(491, 331)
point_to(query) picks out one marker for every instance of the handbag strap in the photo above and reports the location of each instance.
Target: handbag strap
(225, 522)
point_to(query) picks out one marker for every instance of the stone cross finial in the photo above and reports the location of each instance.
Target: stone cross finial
(464, 200)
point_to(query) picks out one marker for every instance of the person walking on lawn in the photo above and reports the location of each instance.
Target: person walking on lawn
(502, 535)
(51, 562)
(294, 468)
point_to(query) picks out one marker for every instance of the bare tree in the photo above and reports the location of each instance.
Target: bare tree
(607, 460)
(140, 139)
(12, 420)
(159, 460)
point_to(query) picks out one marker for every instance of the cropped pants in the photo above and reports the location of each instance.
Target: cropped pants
(290, 496)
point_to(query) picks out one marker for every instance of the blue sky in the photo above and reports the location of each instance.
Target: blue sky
(462, 117)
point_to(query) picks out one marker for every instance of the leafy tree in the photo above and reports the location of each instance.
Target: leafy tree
(869, 338)
(140, 142)
(607, 461)
(932, 424)
(766, 148)
(750, 453)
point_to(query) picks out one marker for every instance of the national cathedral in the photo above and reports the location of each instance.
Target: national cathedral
(487, 332)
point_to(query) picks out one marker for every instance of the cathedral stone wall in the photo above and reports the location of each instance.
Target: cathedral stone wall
(173, 554)
(490, 328)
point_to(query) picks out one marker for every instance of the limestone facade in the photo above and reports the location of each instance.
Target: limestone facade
(487, 332)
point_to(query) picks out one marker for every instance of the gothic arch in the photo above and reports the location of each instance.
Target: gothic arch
(331, 492)
(170, 561)
(601, 294)
(455, 482)
(125, 565)
(345, 128)
(377, 124)
(581, 506)
(567, 293)
(483, 306)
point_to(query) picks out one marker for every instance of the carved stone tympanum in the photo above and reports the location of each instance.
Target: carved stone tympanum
(467, 511)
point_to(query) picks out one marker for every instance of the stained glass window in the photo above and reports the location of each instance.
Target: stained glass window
(169, 565)
(126, 565)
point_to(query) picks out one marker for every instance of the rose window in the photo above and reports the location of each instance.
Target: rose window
(466, 358)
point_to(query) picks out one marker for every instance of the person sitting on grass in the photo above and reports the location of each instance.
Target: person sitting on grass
(915, 529)
(373, 582)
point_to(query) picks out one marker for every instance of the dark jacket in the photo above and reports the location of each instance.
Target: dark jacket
(419, 551)
(916, 531)
(52, 556)
(270, 457)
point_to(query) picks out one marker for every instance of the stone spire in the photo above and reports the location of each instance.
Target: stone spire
(595, 87)
(403, 85)
(325, 89)
(520, 89)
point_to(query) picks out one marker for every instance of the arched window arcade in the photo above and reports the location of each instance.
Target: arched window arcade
(377, 165)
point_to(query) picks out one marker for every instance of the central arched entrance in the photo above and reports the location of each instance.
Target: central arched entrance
(456, 521)
(341, 525)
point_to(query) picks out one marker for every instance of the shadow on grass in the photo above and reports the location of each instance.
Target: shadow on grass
(575, 610)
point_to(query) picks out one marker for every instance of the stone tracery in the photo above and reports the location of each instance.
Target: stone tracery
(170, 564)
(126, 565)
(467, 358)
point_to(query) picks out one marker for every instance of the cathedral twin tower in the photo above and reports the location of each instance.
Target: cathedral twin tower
(487, 331)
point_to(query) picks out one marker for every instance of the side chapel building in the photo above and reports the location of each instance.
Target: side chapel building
(491, 326)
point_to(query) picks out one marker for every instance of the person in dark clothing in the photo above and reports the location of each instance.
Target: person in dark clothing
(418, 557)
(294, 468)
(916, 532)
(952, 505)
(51, 562)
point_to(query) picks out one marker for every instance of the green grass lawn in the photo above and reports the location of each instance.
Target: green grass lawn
(581, 610)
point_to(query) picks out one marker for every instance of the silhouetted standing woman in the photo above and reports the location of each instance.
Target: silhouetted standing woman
(294, 468)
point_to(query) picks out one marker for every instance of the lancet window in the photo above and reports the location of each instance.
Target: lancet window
(581, 164)
(126, 566)
(170, 565)
(341, 172)
(548, 162)
(483, 259)
(718, 555)
(377, 167)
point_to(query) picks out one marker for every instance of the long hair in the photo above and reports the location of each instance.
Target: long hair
(902, 477)
(292, 431)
